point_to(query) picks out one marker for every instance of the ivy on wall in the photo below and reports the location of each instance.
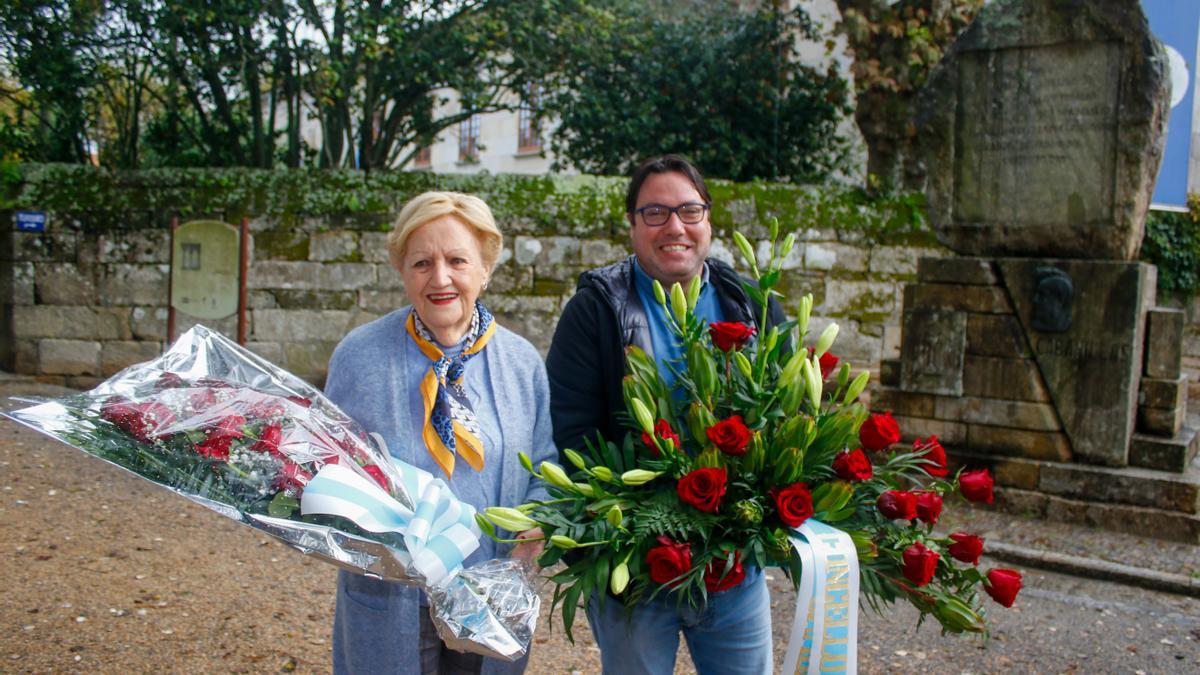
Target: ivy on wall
(583, 206)
(1172, 243)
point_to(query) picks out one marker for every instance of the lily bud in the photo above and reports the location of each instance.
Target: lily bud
(747, 252)
(575, 458)
(679, 305)
(743, 364)
(639, 476)
(771, 339)
(615, 516)
(619, 579)
(585, 489)
(603, 473)
(826, 340)
(509, 518)
(643, 415)
(804, 313)
(773, 228)
(857, 385)
(525, 461)
(554, 475)
(693, 292)
(814, 385)
(564, 542)
(789, 242)
(659, 294)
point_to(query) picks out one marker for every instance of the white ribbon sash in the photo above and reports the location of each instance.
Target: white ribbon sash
(440, 532)
(825, 633)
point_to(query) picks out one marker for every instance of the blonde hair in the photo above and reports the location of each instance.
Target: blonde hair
(468, 209)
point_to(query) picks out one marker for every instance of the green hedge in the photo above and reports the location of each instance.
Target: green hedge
(566, 205)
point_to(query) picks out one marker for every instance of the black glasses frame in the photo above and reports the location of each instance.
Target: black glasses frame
(673, 210)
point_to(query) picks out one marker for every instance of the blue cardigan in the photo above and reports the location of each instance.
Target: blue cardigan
(376, 627)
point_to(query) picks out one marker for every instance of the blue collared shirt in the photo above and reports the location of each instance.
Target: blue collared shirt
(667, 347)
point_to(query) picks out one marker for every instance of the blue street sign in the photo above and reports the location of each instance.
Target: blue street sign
(1177, 24)
(31, 221)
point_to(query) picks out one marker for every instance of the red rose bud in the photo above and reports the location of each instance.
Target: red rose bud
(169, 380)
(663, 430)
(202, 399)
(920, 564)
(794, 504)
(216, 447)
(376, 473)
(269, 439)
(1003, 585)
(828, 362)
(713, 580)
(668, 560)
(230, 426)
(853, 466)
(897, 505)
(935, 456)
(292, 476)
(729, 335)
(929, 507)
(703, 489)
(966, 548)
(976, 486)
(730, 435)
(879, 432)
(147, 420)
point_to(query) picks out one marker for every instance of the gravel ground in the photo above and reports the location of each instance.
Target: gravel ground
(107, 572)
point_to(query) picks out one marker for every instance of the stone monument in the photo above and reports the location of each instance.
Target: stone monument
(1040, 351)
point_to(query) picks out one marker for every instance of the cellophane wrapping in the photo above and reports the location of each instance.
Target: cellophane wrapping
(225, 428)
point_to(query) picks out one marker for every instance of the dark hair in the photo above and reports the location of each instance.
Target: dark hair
(664, 164)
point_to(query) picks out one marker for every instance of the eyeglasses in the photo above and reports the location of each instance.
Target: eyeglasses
(690, 213)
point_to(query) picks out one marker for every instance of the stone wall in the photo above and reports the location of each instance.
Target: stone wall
(88, 296)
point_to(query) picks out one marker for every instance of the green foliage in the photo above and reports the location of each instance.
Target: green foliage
(721, 84)
(1172, 243)
(566, 205)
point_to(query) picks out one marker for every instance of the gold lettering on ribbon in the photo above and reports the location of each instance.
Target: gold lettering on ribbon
(837, 613)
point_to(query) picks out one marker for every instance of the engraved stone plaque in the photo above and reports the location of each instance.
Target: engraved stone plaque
(1042, 130)
(204, 269)
(933, 345)
(1092, 368)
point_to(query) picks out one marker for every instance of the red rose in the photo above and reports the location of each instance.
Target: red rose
(879, 432)
(730, 435)
(966, 547)
(794, 504)
(929, 506)
(828, 362)
(1003, 585)
(853, 466)
(202, 399)
(935, 456)
(976, 486)
(143, 421)
(230, 426)
(376, 473)
(268, 439)
(668, 560)
(713, 580)
(729, 335)
(292, 476)
(703, 489)
(169, 380)
(216, 447)
(663, 430)
(920, 563)
(897, 505)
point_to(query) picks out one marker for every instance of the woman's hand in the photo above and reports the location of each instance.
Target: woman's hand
(530, 551)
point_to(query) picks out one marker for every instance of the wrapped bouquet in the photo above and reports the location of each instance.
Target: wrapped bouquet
(222, 427)
(762, 454)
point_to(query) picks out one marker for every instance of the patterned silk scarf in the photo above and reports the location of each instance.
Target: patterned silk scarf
(450, 424)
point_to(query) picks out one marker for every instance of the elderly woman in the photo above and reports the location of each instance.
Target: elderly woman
(451, 392)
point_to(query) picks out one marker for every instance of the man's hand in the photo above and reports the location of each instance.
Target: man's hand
(530, 551)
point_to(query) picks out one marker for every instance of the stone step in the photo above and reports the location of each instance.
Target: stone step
(1139, 520)
(1166, 454)
(1128, 486)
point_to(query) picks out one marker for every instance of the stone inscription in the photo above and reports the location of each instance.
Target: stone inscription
(934, 341)
(1035, 140)
(1082, 350)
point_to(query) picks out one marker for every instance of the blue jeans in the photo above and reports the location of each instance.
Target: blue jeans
(730, 635)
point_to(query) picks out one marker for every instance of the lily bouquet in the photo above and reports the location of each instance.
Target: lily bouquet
(757, 440)
(222, 427)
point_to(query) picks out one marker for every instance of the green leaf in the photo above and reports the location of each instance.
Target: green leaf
(284, 505)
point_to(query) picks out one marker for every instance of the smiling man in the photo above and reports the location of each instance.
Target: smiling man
(667, 205)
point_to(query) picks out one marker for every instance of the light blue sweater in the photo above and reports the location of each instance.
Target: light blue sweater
(373, 377)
